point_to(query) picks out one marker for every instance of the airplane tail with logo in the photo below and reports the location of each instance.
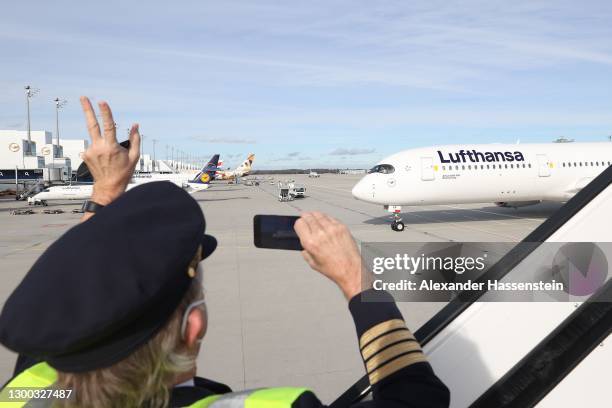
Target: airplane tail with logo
(208, 172)
(245, 167)
(202, 180)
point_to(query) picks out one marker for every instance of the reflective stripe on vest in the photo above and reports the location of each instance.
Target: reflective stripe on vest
(40, 375)
(282, 397)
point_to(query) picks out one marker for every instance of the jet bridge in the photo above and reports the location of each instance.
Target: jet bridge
(511, 354)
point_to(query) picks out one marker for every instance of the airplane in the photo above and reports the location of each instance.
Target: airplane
(180, 179)
(313, 174)
(240, 171)
(83, 191)
(513, 175)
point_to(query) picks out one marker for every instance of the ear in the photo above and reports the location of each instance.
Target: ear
(196, 327)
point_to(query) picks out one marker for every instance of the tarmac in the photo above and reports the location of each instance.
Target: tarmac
(272, 320)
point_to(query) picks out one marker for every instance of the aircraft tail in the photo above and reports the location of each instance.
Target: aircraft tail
(208, 172)
(245, 167)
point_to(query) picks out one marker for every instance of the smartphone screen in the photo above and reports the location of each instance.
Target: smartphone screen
(276, 232)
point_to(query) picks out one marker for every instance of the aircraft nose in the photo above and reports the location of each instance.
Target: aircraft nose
(361, 191)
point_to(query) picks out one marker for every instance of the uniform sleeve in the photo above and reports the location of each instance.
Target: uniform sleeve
(398, 370)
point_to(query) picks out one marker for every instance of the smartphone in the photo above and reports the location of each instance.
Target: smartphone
(276, 232)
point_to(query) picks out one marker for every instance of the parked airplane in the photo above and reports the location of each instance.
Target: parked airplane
(507, 175)
(313, 174)
(83, 191)
(180, 179)
(240, 171)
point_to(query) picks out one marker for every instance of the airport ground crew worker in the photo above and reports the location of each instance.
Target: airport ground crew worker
(112, 313)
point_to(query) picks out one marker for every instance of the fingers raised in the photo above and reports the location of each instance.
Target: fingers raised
(134, 151)
(90, 118)
(110, 131)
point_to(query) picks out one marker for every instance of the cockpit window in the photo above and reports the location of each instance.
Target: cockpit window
(382, 168)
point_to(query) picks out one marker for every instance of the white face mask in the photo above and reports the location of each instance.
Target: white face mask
(192, 306)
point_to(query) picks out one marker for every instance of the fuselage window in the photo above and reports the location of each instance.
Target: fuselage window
(529, 165)
(382, 168)
(462, 167)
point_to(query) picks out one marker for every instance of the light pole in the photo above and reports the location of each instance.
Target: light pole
(154, 141)
(172, 159)
(30, 93)
(59, 103)
(142, 160)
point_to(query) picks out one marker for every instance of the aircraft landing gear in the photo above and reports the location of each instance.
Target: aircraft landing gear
(396, 223)
(397, 226)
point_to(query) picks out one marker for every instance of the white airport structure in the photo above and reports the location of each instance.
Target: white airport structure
(43, 159)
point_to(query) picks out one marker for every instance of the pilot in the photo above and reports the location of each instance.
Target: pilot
(112, 314)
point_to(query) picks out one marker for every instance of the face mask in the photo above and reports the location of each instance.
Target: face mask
(192, 306)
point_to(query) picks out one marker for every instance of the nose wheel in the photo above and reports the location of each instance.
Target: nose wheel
(397, 224)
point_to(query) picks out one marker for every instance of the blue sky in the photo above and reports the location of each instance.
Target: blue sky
(317, 83)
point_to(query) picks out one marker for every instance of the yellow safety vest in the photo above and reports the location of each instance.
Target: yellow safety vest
(43, 376)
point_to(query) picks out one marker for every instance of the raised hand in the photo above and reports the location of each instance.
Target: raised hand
(110, 164)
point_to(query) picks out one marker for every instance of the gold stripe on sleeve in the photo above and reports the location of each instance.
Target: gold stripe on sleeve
(385, 340)
(395, 365)
(389, 353)
(380, 328)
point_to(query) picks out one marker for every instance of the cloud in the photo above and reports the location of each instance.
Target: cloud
(291, 157)
(341, 151)
(15, 125)
(224, 140)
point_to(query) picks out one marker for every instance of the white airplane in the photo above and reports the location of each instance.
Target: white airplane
(83, 191)
(313, 174)
(508, 175)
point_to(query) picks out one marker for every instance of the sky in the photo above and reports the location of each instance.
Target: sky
(322, 83)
